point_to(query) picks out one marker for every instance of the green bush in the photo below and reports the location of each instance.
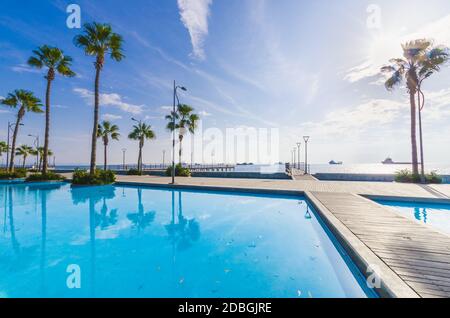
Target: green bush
(100, 177)
(49, 176)
(433, 177)
(179, 171)
(17, 174)
(134, 172)
(406, 176)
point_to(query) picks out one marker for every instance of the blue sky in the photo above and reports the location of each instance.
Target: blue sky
(304, 67)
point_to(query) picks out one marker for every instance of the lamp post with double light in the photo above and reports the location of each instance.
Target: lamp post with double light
(306, 139)
(124, 150)
(298, 156)
(174, 112)
(36, 143)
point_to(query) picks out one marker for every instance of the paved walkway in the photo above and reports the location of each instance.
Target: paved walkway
(418, 255)
(362, 188)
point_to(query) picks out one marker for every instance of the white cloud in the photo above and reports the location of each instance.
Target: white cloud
(166, 107)
(194, 15)
(204, 113)
(112, 99)
(384, 46)
(24, 68)
(351, 121)
(111, 117)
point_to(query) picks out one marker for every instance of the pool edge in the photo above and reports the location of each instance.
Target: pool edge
(392, 286)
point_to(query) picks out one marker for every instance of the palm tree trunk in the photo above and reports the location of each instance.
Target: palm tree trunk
(422, 164)
(23, 163)
(415, 166)
(140, 158)
(106, 159)
(13, 146)
(47, 127)
(180, 137)
(94, 130)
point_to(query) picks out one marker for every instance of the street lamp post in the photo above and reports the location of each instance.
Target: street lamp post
(175, 98)
(124, 150)
(306, 139)
(298, 156)
(36, 142)
(294, 151)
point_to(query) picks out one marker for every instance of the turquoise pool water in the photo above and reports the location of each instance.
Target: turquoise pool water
(435, 215)
(120, 241)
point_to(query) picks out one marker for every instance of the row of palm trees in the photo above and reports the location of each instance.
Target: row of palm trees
(420, 60)
(99, 41)
(25, 151)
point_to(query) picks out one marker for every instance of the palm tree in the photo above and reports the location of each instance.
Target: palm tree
(40, 151)
(99, 40)
(56, 62)
(3, 147)
(407, 68)
(434, 58)
(141, 132)
(26, 102)
(24, 151)
(187, 120)
(106, 131)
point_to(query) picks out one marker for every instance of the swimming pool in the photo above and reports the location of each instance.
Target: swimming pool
(435, 215)
(122, 241)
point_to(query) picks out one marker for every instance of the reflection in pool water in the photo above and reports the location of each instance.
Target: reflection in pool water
(435, 215)
(143, 242)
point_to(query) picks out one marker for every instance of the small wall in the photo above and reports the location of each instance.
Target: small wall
(355, 177)
(239, 175)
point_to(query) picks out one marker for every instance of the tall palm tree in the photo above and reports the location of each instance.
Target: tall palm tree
(55, 61)
(433, 59)
(25, 101)
(141, 132)
(105, 131)
(99, 40)
(407, 68)
(185, 120)
(24, 151)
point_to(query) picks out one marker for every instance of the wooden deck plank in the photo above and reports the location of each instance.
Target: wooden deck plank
(416, 253)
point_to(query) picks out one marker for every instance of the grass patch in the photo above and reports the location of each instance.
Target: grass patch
(100, 177)
(179, 171)
(49, 176)
(17, 174)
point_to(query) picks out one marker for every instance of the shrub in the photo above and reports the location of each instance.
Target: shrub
(49, 176)
(17, 174)
(134, 172)
(100, 177)
(433, 177)
(405, 176)
(179, 171)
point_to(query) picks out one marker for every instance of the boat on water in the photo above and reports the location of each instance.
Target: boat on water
(332, 162)
(389, 161)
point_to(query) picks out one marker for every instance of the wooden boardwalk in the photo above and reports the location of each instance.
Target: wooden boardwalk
(419, 255)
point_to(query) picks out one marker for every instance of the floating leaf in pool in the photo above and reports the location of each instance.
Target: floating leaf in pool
(253, 245)
(181, 280)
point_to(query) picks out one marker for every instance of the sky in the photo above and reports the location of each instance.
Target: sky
(291, 67)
